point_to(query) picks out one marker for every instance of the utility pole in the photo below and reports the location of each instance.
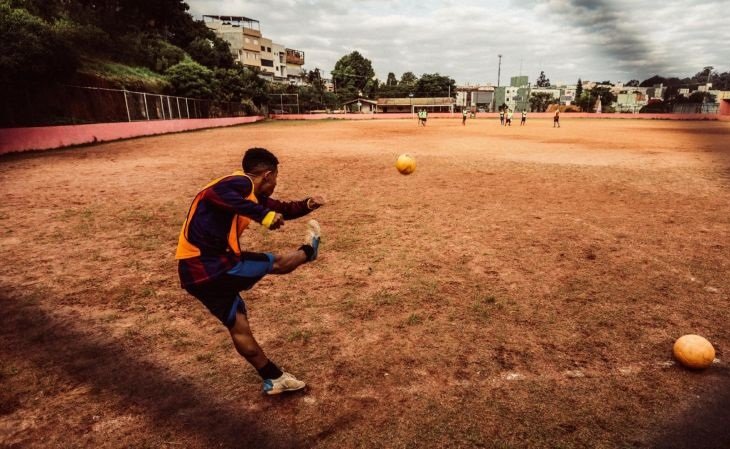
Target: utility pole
(499, 69)
(499, 73)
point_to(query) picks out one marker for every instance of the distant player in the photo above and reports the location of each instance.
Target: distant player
(556, 119)
(212, 266)
(463, 116)
(509, 117)
(501, 117)
(523, 122)
(424, 116)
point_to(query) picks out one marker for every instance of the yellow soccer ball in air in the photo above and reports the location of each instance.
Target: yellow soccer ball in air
(405, 164)
(694, 351)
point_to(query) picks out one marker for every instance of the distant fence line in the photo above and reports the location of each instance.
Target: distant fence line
(65, 105)
(696, 108)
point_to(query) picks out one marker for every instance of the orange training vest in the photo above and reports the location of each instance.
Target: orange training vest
(186, 250)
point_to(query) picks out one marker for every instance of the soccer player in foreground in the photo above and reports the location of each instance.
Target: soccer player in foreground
(212, 266)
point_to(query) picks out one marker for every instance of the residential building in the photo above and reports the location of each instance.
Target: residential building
(294, 66)
(475, 98)
(279, 55)
(251, 49)
(515, 96)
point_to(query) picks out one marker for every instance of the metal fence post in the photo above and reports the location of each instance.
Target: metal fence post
(169, 107)
(162, 105)
(187, 108)
(129, 117)
(179, 114)
(146, 110)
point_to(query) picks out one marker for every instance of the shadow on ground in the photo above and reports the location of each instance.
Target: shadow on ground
(707, 425)
(174, 406)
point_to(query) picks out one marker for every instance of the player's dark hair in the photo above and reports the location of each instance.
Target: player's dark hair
(257, 160)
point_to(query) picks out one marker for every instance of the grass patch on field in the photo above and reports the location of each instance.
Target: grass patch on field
(302, 335)
(414, 319)
(484, 305)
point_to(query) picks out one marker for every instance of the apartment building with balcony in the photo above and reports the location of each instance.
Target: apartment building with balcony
(251, 49)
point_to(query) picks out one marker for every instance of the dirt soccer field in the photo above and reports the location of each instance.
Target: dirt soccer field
(522, 289)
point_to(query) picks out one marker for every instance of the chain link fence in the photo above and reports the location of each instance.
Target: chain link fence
(66, 105)
(696, 108)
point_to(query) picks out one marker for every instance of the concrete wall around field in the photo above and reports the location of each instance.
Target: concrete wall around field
(725, 107)
(50, 137)
(495, 116)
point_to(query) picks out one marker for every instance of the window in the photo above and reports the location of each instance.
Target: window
(268, 49)
(263, 48)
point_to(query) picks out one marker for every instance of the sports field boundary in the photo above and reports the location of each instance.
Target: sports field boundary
(495, 116)
(51, 137)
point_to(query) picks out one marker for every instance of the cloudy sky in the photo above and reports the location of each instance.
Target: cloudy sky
(592, 39)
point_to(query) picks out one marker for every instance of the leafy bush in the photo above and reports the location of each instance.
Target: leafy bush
(250, 108)
(150, 51)
(31, 51)
(190, 79)
(90, 38)
(237, 83)
(210, 51)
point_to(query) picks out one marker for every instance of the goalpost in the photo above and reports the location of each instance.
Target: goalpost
(286, 103)
(432, 108)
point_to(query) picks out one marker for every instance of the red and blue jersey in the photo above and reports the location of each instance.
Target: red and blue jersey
(208, 243)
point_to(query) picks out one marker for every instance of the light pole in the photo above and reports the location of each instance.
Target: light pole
(410, 101)
(499, 73)
(499, 69)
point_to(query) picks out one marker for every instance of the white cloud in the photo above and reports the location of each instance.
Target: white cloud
(592, 39)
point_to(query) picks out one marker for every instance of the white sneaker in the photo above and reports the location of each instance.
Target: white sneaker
(313, 237)
(286, 382)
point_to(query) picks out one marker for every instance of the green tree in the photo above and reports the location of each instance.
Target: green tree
(392, 80)
(435, 85)
(578, 89)
(210, 52)
(607, 98)
(584, 101)
(632, 83)
(352, 73)
(701, 97)
(539, 101)
(31, 51)
(240, 83)
(190, 79)
(542, 80)
(314, 78)
(704, 76)
(408, 79)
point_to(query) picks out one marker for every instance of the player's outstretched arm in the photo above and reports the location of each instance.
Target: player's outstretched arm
(294, 209)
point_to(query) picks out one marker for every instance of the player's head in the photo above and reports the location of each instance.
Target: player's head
(262, 166)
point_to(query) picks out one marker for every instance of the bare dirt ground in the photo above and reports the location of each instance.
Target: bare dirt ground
(522, 289)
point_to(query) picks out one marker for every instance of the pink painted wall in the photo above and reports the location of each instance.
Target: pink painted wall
(495, 116)
(49, 137)
(725, 107)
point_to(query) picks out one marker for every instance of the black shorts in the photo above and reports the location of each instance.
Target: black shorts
(221, 294)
